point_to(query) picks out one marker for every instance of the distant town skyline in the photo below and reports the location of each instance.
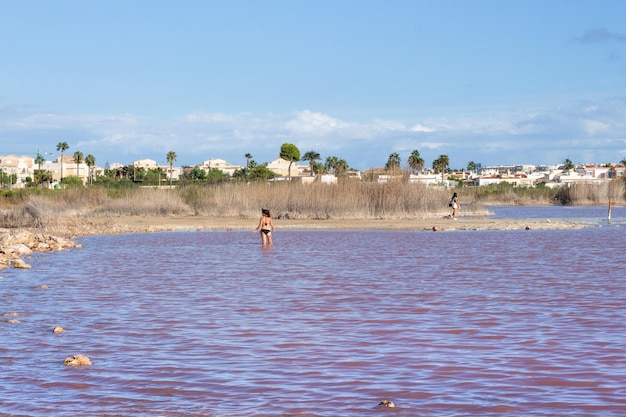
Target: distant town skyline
(490, 82)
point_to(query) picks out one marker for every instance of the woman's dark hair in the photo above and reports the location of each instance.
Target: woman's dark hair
(265, 212)
(455, 195)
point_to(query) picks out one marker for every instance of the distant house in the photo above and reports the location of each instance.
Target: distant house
(173, 172)
(21, 166)
(486, 180)
(281, 167)
(146, 164)
(579, 176)
(516, 180)
(611, 171)
(72, 169)
(219, 164)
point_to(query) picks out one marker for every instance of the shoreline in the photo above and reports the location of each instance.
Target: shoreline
(15, 244)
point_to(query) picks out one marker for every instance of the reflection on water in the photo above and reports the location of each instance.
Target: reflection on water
(323, 323)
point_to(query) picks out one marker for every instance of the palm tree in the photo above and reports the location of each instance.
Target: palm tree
(171, 157)
(415, 161)
(78, 158)
(90, 160)
(331, 163)
(39, 160)
(311, 156)
(393, 163)
(440, 164)
(568, 164)
(341, 168)
(62, 147)
(248, 158)
(319, 168)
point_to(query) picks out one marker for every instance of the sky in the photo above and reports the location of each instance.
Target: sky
(494, 82)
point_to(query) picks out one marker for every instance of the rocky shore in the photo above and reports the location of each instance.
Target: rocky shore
(16, 244)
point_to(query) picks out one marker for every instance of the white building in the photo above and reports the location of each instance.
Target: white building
(21, 166)
(280, 166)
(219, 164)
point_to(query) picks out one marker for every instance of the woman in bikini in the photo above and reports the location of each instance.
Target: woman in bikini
(266, 225)
(454, 203)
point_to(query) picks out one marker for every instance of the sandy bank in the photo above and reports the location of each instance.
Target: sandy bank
(129, 224)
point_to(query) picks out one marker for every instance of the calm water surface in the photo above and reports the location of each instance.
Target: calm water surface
(324, 323)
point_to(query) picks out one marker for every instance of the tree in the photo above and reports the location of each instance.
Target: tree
(171, 157)
(290, 152)
(62, 147)
(416, 163)
(311, 156)
(331, 164)
(44, 175)
(197, 174)
(40, 160)
(215, 176)
(393, 162)
(248, 158)
(341, 168)
(568, 164)
(471, 166)
(318, 168)
(241, 174)
(261, 172)
(440, 164)
(90, 160)
(78, 158)
(72, 182)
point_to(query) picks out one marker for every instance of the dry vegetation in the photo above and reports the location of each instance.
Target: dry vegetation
(347, 200)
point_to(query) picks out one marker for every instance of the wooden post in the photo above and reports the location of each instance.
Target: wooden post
(610, 204)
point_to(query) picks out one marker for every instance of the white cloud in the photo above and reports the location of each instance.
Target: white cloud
(381, 125)
(208, 118)
(318, 124)
(422, 128)
(593, 127)
(523, 136)
(432, 145)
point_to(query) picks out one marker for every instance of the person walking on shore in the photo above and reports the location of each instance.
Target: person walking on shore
(266, 225)
(454, 203)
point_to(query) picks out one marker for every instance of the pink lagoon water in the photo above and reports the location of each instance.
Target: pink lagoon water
(324, 323)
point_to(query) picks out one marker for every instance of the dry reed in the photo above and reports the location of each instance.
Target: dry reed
(345, 200)
(348, 199)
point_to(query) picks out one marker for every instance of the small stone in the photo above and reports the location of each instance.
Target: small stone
(58, 329)
(77, 360)
(20, 264)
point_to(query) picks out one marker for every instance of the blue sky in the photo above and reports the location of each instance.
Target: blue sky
(488, 81)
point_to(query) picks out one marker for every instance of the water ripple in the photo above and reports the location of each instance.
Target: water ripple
(212, 324)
